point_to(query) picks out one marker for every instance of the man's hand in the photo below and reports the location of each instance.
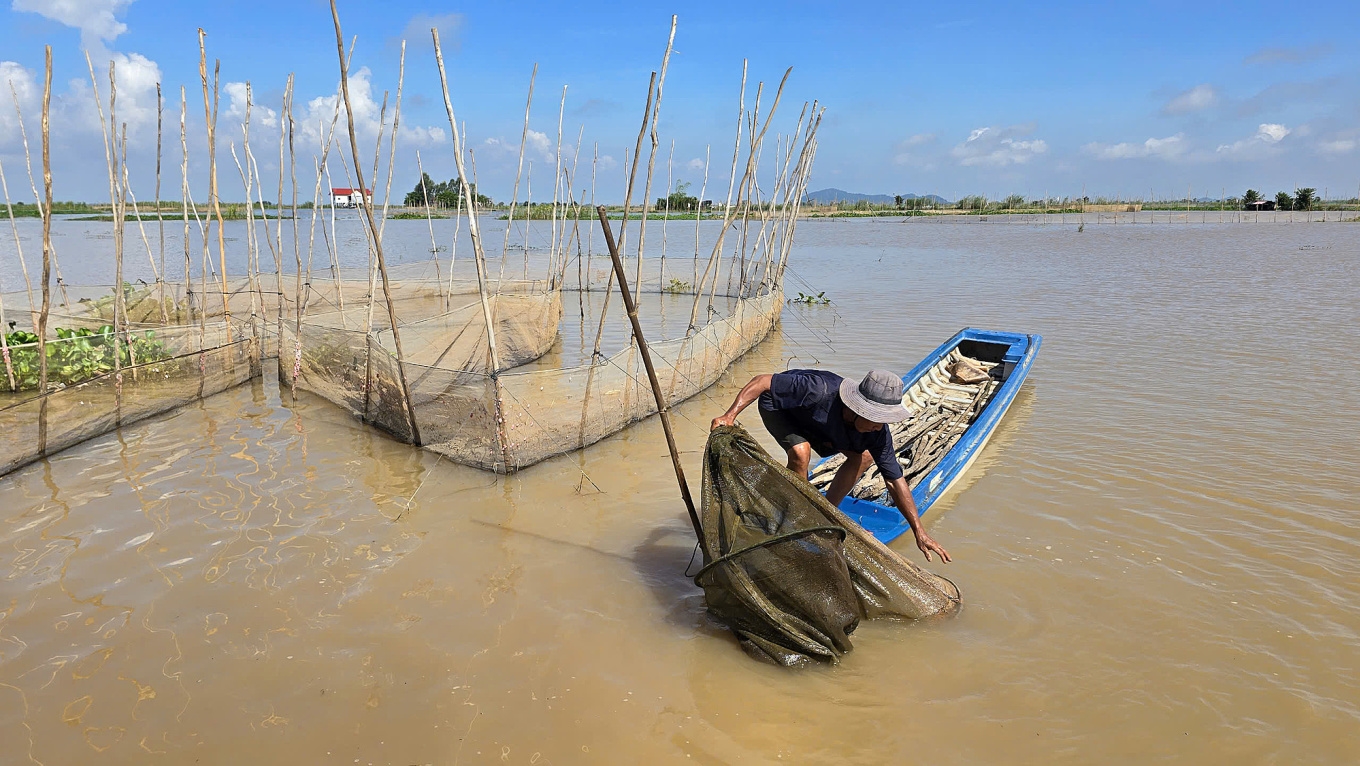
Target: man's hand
(723, 420)
(928, 544)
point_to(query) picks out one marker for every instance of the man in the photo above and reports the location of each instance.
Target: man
(815, 409)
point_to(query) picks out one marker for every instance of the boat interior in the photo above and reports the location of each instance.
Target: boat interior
(945, 402)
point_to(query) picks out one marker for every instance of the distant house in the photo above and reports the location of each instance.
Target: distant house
(350, 197)
(1259, 205)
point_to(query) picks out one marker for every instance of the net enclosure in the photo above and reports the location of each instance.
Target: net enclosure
(790, 574)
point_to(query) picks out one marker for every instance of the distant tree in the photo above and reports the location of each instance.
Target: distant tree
(1251, 196)
(897, 200)
(1013, 202)
(679, 199)
(441, 194)
(1283, 201)
(1304, 198)
(972, 202)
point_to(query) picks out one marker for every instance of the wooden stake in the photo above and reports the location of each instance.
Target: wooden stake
(214, 201)
(28, 163)
(373, 228)
(663, 409)
(47, 255)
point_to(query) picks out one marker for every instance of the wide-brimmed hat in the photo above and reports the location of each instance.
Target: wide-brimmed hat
(878, 397)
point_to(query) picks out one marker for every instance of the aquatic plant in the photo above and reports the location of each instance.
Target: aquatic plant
(677, 286)
(819, 299)
(77, 355)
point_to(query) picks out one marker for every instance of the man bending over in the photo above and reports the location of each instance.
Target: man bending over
(806, 410)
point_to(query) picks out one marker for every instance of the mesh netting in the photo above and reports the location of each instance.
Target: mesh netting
(172, 367)
(789, 573)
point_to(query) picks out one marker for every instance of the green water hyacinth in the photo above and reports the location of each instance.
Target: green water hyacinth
(78, 355)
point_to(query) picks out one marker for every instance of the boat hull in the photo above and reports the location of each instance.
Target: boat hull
(885, 522)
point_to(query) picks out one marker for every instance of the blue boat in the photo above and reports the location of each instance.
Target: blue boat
(958, 394)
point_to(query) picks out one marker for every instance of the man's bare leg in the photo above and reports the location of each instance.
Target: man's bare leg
(800, 455)
(846, 476)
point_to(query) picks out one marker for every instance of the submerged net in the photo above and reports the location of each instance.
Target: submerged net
(789, 573)
(162, 368)
(506, 419)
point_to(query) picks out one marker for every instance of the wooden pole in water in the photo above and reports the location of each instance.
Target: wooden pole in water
(47, 256)
(214, 200)
(661, 407)
(406, 407)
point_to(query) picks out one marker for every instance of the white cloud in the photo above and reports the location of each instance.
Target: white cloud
(1165, 148)
(314, 119)
(1267, 134)
(536, 145)
(1289, 55)
(999, 147)
(26, 88)
(97, 20)
(1338, 146)
(1196, 99)
(136, 76)
(607, 162)
(695, 164)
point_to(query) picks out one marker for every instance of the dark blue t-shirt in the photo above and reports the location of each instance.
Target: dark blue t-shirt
(811, 399)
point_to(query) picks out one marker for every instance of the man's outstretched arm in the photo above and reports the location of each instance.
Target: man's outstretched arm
(901, 495)
(749, 393)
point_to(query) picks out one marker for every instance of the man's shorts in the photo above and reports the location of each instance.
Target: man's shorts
(782, 428)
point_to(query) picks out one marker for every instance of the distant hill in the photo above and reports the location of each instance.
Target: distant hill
(830, 196)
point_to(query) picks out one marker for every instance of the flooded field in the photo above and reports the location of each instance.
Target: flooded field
(1157, 552)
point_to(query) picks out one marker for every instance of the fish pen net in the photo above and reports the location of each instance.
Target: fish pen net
(99, 379)
(788, 572)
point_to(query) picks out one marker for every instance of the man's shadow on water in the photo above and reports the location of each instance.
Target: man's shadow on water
(661, 562)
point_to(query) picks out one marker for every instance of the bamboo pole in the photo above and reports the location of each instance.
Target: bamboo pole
(28, 164)
(553, 242)
(327, 138)
(363, 194)
(574, 207)
(160, 217)
(214, 200)
(141, 228)
(4, 325)
(666, 216)
(698, 215)
(651, 158)
(377, 240)
(627, 203)
(184, 209)
(714, 259)
(514, 195)
(479, 256)
(122, 211)
(453, 244)
(662, 407)
(429, 222)
(298, 284)
(47, 253)
(19, 250)
(119, 296)
(590, 230)
(372, 264)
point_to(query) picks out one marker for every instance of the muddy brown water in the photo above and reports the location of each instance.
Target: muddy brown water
(1158, 551)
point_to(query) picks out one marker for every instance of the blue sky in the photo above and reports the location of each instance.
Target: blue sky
(1119, 99)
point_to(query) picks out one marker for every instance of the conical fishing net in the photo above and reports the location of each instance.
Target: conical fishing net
(789, 573)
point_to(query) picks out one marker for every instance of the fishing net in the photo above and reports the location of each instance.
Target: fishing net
(790, 574)
(537, 404)
(162, 369)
